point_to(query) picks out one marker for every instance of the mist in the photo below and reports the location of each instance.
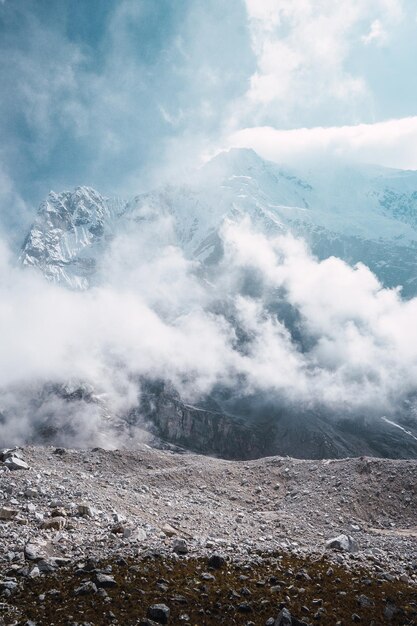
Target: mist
(270, 320)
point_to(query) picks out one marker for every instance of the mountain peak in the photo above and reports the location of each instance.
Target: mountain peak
(67, 227)
(237, 156)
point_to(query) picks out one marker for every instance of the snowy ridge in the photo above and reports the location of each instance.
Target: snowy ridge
(67, 226)
(365, 213)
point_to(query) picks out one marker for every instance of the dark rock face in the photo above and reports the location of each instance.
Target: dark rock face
(266, 430)
(198, 429)
(244, 429)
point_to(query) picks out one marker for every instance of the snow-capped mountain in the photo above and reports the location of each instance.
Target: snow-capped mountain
(69, 231)
(365, 213)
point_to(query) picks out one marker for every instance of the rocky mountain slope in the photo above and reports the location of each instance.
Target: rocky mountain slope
(103, 536)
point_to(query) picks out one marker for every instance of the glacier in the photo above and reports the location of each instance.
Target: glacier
(362, 214)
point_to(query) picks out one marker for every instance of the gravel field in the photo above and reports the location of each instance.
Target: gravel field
(99, 537)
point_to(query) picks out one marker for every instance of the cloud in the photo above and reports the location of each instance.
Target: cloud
(377, 34)
(120, 96)
(303, 51)
(97, 94)
(392, 143)
(348, 346)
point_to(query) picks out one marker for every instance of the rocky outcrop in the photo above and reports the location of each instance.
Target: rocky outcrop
(194, 428)
(67, 234)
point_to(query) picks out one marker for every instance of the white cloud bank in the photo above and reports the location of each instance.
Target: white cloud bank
(392, 143)
(303, 51)
(361, 353)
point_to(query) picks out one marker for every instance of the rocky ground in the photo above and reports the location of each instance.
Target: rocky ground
(150, 536)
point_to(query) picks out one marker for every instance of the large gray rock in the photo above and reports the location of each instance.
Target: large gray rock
(286, 619)
(159, 613)
(6, 513)
(105, 580)
(180, 546)
(344, 543)
(15, 463)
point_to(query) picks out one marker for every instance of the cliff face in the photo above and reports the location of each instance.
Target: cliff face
(276, 432)
(75, 415)
(198, 429)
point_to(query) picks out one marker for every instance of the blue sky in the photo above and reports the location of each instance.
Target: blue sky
(117, 94)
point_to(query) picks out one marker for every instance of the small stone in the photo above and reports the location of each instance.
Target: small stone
(169, 530)
(34, 572)
(216, 561)
(86, 589)
(85, 510)
(54, 523)
(390, 610)
(139, 534)
(284, 618)
(356, 618)
(159, 613)
(105, 581)
(7, 513)
(31, 492)
(345, 543)
(35, 551)
(59, 451)
(364, 601)
(180, 546)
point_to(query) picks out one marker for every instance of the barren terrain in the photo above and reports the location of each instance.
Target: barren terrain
(151, 520)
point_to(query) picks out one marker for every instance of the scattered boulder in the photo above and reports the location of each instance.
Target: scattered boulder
(286, 619)
(54, 523)
(86, 589)
(35, 551)
(7, 453)
(159, 613)
(364, 601)
(7, 513)
(105, 581)
(169, 530)
(180, 546)
(10, 584)
(15, 463)
(344, 543)
(85, 510)
(216, 561)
